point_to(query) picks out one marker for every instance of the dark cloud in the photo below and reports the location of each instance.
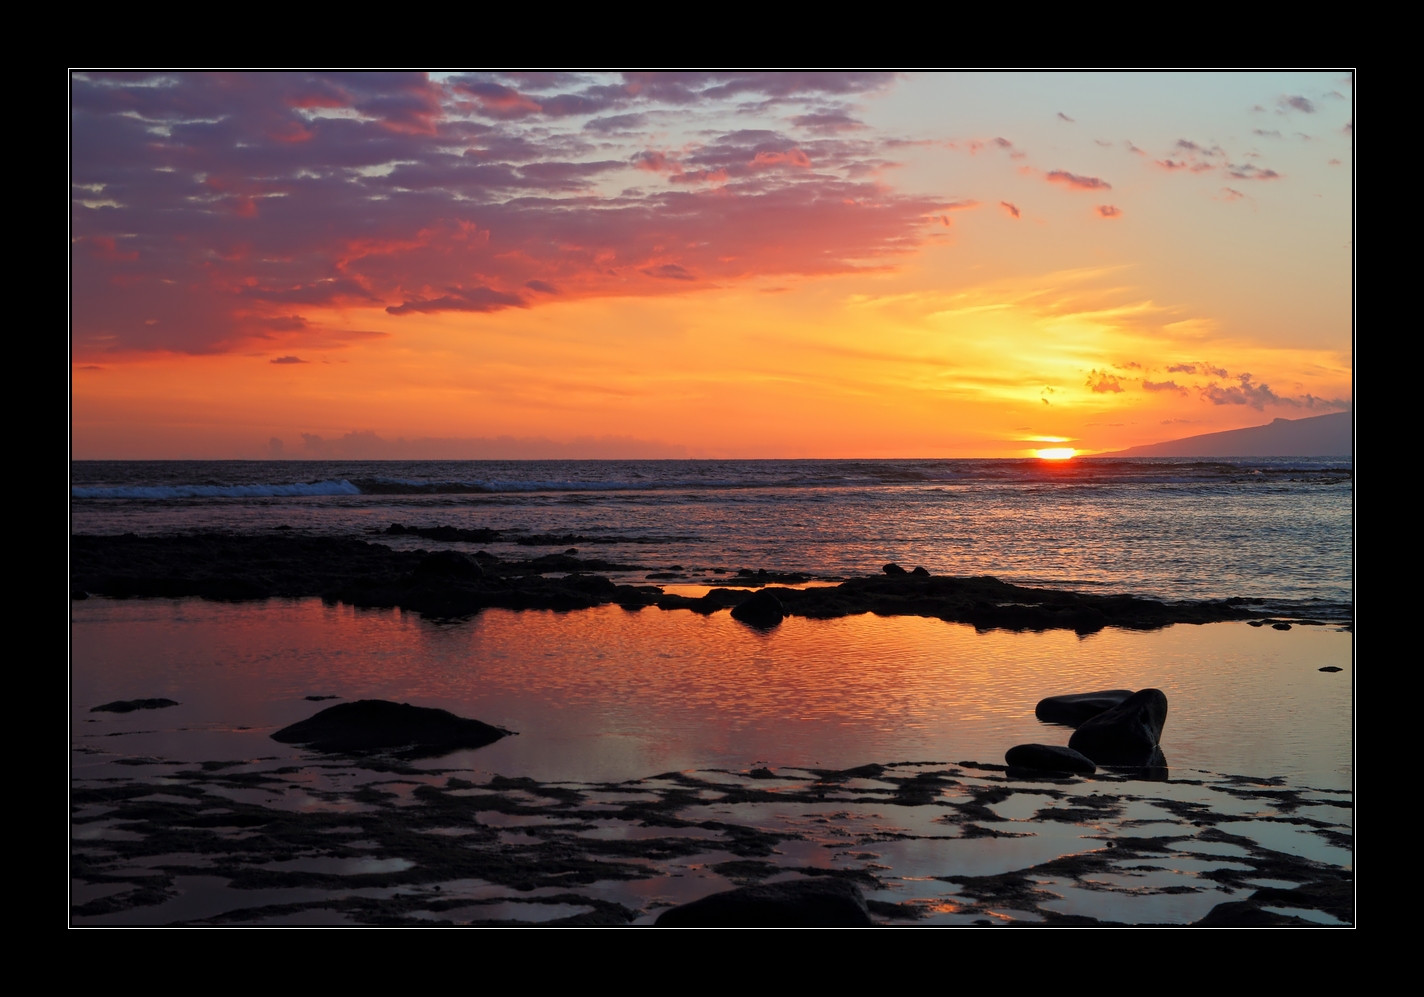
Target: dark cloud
(208, 207)
(1250, 171)
(1185, 368)
(669, 271)
(475, 299)
(288, 360)
(1163, 386)
(542, 286)
(1297, 103)
(1009, 208)
(827, 121)
(1077, 181)
(616, 123)
(1064, 117)
(1245, 392)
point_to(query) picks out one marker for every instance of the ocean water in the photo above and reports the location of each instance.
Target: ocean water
(1279, 529)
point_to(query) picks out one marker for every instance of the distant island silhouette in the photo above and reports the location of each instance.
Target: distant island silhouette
(1315, 436)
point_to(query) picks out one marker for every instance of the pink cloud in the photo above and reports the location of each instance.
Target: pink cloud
(1077, 181)
(264, 193)
(1009, 209)
(1108, 211)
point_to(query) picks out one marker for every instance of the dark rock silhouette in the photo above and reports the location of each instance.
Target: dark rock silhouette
(921, 572)
(1072, 710)
(1331, 668)
(129, 705)
(762, 610)
(894, 569)
(802, 903)
(1127, 734)
(1048, 758)
(377, 725)
(449, 564)
(292, 565)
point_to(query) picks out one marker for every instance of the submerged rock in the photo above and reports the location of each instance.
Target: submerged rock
(801, 903)
(1127, 734)
(449, 564)
(1073, 710)
(1049, 758)
(761, 610)
(129, 705)
(379, 725)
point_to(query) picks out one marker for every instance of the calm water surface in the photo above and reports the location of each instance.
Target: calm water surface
(606, 694)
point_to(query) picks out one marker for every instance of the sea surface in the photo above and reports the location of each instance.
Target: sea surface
(1280, 529)
(701, 714)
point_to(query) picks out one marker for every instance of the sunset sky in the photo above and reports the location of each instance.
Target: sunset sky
(703, 264)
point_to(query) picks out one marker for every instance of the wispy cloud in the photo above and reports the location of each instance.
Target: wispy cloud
(1108, 211)
(1009, 209)
(1077, 181)
(1103, 382)
(288, 360)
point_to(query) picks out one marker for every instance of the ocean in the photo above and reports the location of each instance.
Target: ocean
(1278, 529)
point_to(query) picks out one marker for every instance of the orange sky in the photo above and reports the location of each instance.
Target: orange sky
(836, 266)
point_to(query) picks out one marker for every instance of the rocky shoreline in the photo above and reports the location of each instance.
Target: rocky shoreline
(448, 584)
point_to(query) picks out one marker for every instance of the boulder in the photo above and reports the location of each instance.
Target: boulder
(799, 903)
(1048, 758)
(1127, 734)
(378, 725)
(449, 564)
(893, 569)
(762, 610)
(921, 572)
(129, 705)
(1073, 710)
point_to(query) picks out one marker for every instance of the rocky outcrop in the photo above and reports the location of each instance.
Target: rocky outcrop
(376, 725)
(1073, 709)
(1127, 734)
(1048, 758)
(129, 705)
(801, 903)
(762, 610)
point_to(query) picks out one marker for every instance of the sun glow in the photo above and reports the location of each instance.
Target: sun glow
(1055, 453)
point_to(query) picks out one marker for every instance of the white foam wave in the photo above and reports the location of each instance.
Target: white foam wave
(219, 491)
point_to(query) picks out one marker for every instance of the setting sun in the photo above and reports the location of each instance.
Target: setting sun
(1055, 453)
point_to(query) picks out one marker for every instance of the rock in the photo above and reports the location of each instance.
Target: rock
(1332, 668)
(921, 572)
(762, 610)
(1244, 914)
(1073, 710)
(1049, 758)
(800, 903)
(449, 564)
(378, 725)
(893, 569)
(1127, 734)
(761, 773)
(1280, 626)
(129, 705)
